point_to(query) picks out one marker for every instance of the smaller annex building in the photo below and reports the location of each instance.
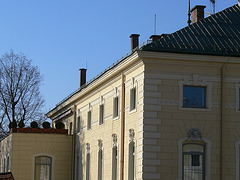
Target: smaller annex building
(31, 153)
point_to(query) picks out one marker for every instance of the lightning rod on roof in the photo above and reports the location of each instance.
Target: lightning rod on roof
(213, 3)
(155, 25)
(189, 13)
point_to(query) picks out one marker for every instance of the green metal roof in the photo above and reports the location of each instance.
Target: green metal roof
(218, 34)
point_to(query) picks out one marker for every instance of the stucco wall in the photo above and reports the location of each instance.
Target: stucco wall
(26, 146)
(169, 122)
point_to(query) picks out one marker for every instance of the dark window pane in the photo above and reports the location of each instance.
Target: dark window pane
(195, 160)
(194, 97)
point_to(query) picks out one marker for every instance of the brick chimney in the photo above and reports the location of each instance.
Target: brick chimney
(83, 76)
(155, 37)
(134, 41)
(197, 13)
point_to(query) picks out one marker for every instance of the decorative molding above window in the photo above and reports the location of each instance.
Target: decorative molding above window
(100, 144)
(116, 92)
(131, 135)
(194, 134)
(88, 147)
(114, 136)
(101, 100)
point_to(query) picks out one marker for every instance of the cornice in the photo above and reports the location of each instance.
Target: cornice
(188, 57)
(119, 68)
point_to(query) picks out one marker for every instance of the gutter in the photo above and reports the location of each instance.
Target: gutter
(74, 141)
(122, 129)
(222, 120)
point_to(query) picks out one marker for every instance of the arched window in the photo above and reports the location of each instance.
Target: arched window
(131, 161)
(100, 164)
(193, 161)
(88, 167)
(114, 163)
(43, 168)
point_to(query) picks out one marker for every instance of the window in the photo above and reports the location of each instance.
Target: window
(194, 96)
(115, 107)
(78, 124)
(237, 89)
(100, 164)
(8, 164)
(88, 167)
(101, 114)
(43, 168)
(70, 128)
(89, 120)
(131, 161)
(4, 165)
(238, 99)
(133, 99)
(77, 168)
(193, 161)
(114, 163)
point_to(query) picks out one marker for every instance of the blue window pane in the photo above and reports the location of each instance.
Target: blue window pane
(194, 97)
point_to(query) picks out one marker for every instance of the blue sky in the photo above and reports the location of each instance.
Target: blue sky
(60, 36)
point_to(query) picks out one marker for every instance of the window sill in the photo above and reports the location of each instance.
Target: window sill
(132, 111)
(115, 118)
(194, 109)
(101, 124)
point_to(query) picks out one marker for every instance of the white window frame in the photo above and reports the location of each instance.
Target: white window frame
(113, 165)
(100, 178)
(89, 120)
(43, 154)
(101, 114)
(133, 99)
(134, 161)
(208, 146)
(196, 81)
(116, 107)
(78, 121)
(88, 166)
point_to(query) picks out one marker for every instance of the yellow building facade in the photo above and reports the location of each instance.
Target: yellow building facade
(168, 110)
(37, 156)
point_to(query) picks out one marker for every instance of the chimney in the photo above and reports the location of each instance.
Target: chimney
(83, 76)
(238, 2)
(134, 41)
(197, 13)
(155, 37)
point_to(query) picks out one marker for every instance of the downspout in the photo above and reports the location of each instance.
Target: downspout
(223, 73)
(122, 128)
(74, 141)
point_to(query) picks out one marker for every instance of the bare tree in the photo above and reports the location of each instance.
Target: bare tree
(20, 98)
